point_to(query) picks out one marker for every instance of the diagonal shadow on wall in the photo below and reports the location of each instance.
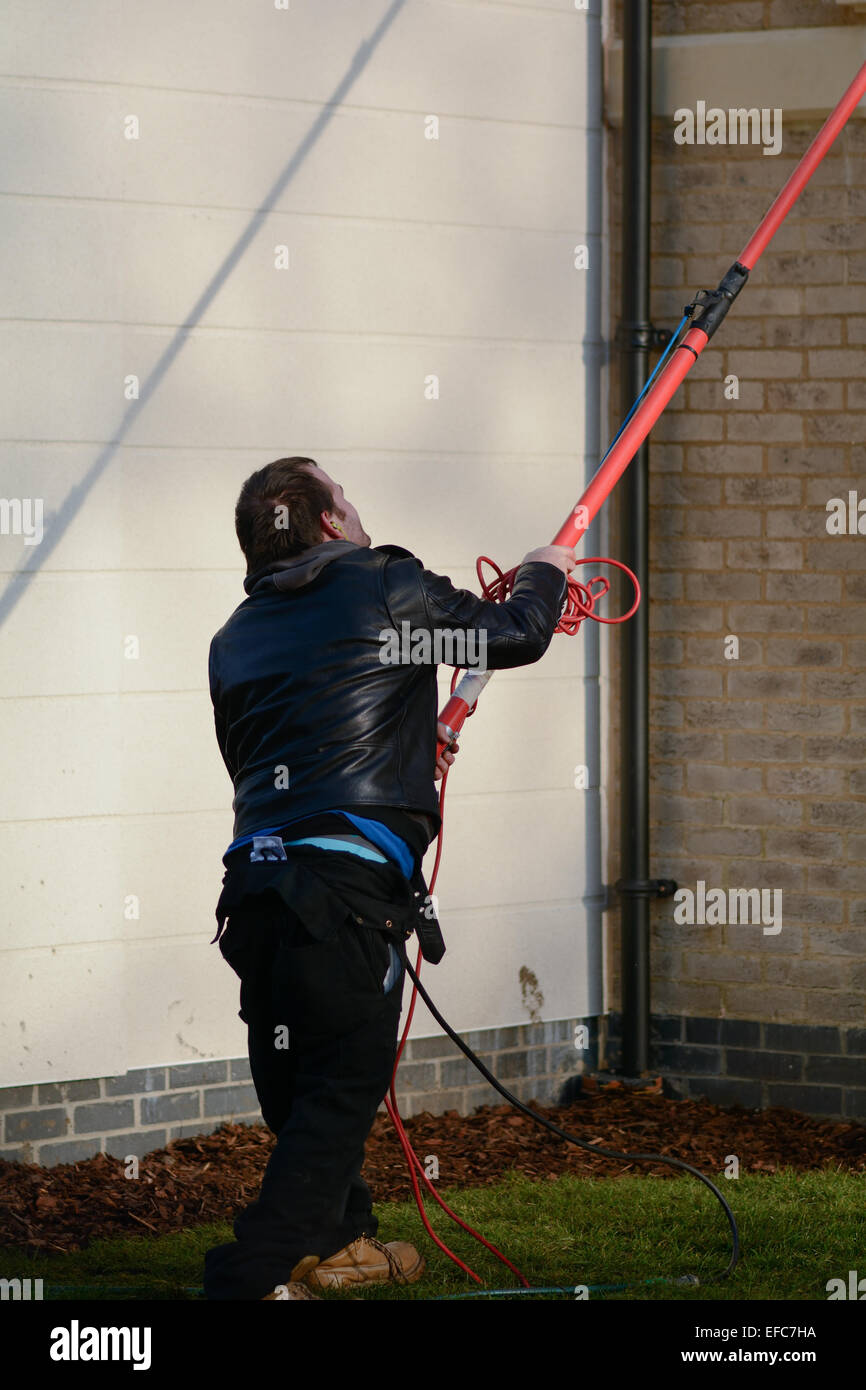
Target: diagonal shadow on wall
(61, 520)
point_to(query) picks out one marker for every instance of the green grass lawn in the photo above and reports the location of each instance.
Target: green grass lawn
(797, 1230)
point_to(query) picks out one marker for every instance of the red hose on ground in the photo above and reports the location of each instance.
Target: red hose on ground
(412, 1159)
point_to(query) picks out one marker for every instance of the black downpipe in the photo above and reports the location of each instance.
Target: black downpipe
(635, 335)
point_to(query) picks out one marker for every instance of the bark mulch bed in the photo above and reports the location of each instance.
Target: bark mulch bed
(204, 1179)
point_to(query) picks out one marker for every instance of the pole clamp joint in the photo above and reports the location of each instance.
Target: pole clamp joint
(709, 307)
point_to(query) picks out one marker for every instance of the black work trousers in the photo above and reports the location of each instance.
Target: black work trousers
(322, 1035)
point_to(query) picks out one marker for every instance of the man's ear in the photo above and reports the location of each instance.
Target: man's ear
(331, 530)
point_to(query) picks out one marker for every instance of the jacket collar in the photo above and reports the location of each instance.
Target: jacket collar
(286, 575)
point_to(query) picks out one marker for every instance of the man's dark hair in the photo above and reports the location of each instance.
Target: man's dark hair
(278, 512)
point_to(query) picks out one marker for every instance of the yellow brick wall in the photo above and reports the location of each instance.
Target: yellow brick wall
(758, 763)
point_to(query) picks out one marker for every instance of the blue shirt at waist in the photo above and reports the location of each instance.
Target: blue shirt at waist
(375, 831)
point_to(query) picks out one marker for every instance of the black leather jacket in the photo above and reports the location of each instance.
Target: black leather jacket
(307, 715)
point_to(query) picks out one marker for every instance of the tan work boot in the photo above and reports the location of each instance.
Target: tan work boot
(294, 1288)
(368, 1261)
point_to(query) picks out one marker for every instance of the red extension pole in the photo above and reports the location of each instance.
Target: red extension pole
(710, 312)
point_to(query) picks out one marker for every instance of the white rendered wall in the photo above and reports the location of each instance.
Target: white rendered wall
(154, 257)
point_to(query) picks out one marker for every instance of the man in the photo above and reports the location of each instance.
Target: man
(331, 747)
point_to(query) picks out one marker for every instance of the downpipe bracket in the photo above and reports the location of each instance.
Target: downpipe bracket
(641, 336)
(645, 887)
